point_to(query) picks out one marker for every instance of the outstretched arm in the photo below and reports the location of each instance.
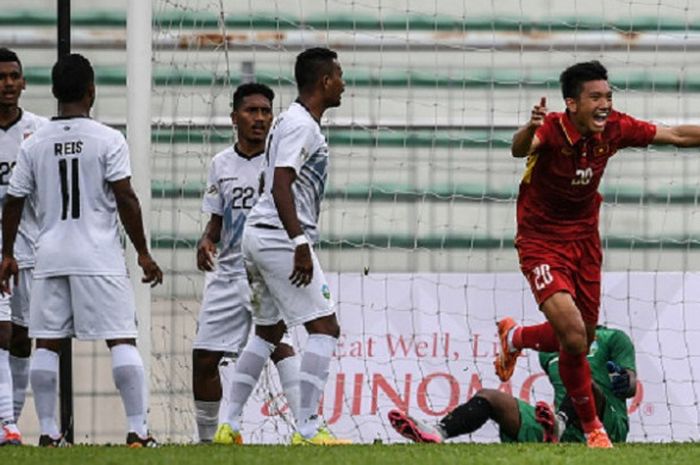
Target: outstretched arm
(686, 135)
(130, 215)
(525, 141)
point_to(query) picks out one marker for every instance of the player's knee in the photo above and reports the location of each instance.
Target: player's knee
(327, 325)
(205, 362)
(5, 335)
(21, 345)
(574, 342)
(281, 352)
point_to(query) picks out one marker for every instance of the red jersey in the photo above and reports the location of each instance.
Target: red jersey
(559, 196)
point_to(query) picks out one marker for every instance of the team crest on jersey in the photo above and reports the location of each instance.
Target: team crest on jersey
(601, 150)
(26, 135)
(594, 348)
(325, 290)
(304, 154)
(212, 190)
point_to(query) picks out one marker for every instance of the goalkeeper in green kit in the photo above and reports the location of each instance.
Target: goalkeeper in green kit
(613, 369)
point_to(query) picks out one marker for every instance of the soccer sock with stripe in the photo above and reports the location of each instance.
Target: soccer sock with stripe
(575, 373)
(466, 418)
(288, 369)
(43, 375)
(20, 380)
(6, 411)
(206, 415)
(539, 337)
(312, 379)
(129, 378)
(245, 376)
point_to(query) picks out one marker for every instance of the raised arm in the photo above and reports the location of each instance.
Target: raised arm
(686, 135)
(284, 201)
(524, 140)
(130, 215)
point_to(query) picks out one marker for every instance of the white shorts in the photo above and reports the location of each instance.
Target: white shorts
(226, 316)
(269, 257)
(15, 307)
(85, 307)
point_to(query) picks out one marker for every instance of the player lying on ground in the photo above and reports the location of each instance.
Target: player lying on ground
(612, 364)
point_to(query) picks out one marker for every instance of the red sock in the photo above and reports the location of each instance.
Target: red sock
(576, 375)
(539, 337)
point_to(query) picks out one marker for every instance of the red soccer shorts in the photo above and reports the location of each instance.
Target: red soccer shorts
(574, 266)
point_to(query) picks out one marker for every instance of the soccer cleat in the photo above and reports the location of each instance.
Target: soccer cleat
(134, 441)
(546, 418)
(415, 430)
(598, 439)
(506, 359)
(227, 436)
(10, 435)
(47, 441)
(323, 437)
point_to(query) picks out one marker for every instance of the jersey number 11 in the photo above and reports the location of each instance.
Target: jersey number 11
(71, 195)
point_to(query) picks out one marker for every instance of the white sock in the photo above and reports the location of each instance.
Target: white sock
(6, 411)
(20, 380)
(43, 374)
(206, 414)
(288, 369)
(129, 378)
(313, 375)
(509, 339)
(245, 376)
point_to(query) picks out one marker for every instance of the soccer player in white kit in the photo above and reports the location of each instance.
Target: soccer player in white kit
(277, 246)
(16, 124)
(225, 318)
(79, 173)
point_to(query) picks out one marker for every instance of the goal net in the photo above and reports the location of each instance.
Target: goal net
(419, 216)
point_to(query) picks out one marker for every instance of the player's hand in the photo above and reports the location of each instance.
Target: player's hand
(151, 270)
(538, 113)
(619, 379)
(8, 269)
(206, 251)
(303, 266)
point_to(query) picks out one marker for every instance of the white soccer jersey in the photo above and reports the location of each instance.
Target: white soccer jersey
(232, 190)
(295, 141)
(11, 138)
(67, 166)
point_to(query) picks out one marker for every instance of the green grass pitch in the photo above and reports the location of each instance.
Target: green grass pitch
(403, 454)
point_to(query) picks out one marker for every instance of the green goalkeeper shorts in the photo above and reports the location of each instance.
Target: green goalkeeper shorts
(530, 430)
(616, 424)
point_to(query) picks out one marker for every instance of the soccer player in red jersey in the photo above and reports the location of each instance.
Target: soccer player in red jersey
(557, 213)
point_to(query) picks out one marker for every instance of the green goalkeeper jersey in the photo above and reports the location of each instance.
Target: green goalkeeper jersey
(609, 344)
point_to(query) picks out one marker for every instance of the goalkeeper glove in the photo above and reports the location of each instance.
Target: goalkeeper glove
(619, 379)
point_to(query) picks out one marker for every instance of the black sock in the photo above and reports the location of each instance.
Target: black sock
(466, 418)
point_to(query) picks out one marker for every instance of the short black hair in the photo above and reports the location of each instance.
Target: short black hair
(8, 56)
(311, 64)
(251, 88)
(71, 76)
(573, 77)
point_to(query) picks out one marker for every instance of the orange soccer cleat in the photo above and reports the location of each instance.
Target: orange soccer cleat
(598, 439)
(506, 359)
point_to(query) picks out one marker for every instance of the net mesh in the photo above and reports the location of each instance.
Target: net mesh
(419, 217)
